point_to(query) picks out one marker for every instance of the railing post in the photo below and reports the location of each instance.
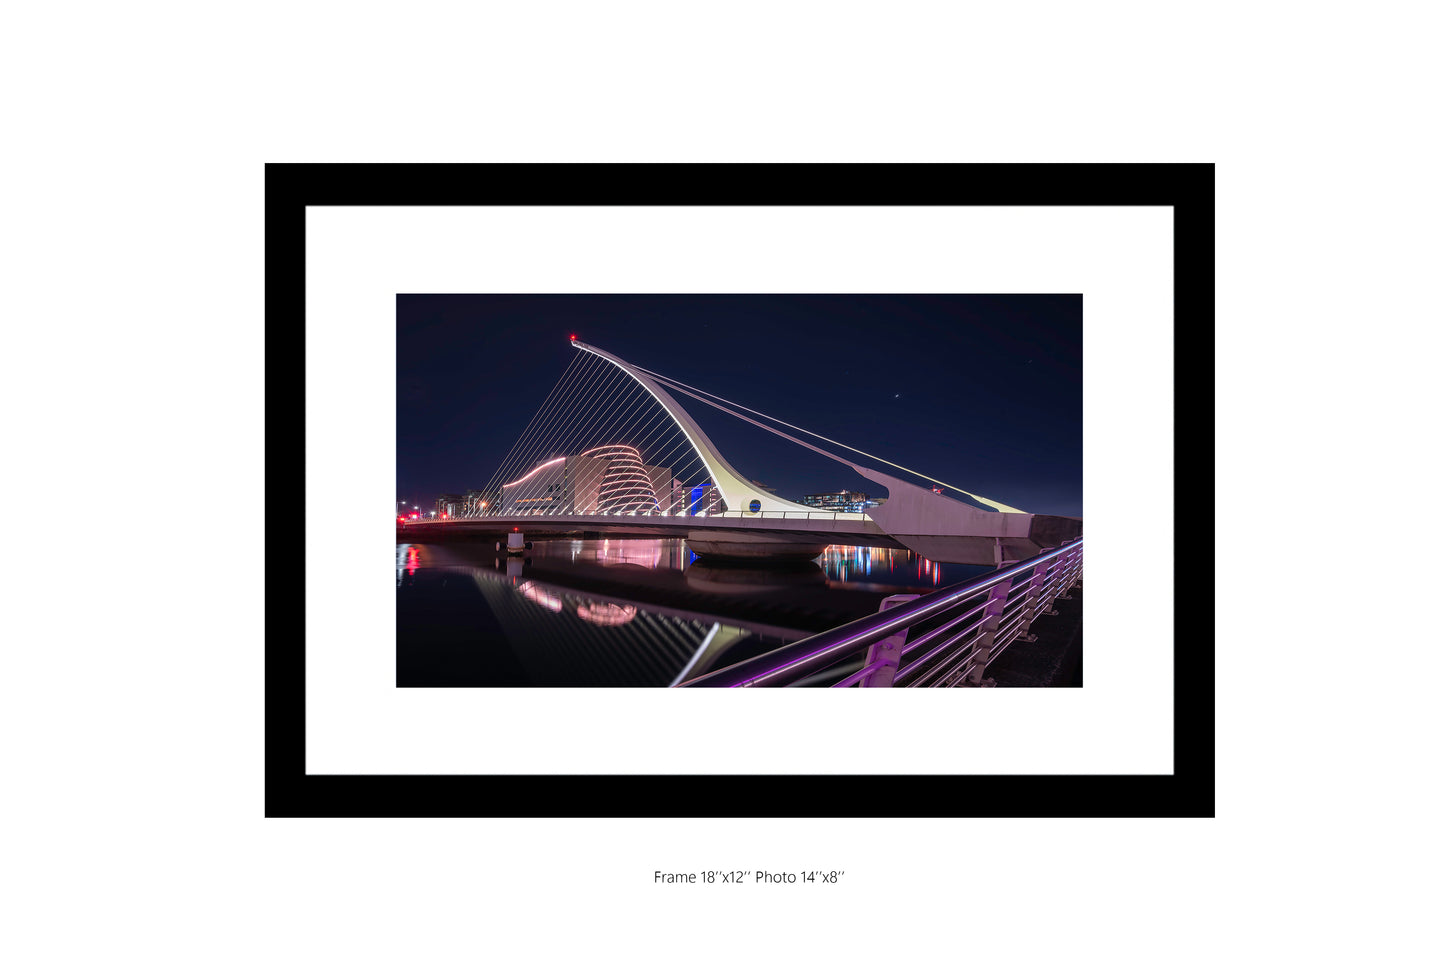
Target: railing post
(1056, 569)
(992, 617)
(1031, 604)
(1061, 571)
(887, 653)
(1069, 575)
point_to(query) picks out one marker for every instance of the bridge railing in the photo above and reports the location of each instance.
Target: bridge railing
(956, 632)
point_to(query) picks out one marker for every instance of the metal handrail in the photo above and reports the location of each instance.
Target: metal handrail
(785, 665)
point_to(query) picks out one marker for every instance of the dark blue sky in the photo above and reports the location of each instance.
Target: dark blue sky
(984, 392)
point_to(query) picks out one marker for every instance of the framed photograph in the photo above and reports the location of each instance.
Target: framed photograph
(654, 431)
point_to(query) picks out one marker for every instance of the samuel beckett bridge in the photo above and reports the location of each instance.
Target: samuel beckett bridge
(611, 451)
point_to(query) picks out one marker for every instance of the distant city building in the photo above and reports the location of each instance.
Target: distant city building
(479, 503)
(602, 480)
(449, 505)
(846, 501)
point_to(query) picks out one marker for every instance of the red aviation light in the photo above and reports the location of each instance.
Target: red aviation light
(574, 337)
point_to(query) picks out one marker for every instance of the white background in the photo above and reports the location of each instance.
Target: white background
(358, 259)
(134, 376)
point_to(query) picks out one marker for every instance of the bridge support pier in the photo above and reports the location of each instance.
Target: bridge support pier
(732, 545)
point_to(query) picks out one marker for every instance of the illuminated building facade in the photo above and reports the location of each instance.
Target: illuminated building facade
(602, 480)
(624, 486)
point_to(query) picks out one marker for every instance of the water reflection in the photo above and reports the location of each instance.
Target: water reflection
(407, 559)
(563, 637)
(606, 613)
(535, 593)
(844, 562)
(737, 578)
(887, 564)
(655, 553)
(838, 563)
(624, 612)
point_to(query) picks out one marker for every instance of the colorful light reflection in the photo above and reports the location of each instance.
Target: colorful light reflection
(843, 562)
(847, 563)
(647, 553)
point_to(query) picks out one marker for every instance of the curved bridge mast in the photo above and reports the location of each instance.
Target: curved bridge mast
(737, 491)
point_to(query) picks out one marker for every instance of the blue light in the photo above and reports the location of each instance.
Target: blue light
(698, 498)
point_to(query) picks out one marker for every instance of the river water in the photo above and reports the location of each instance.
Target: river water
(624, 612)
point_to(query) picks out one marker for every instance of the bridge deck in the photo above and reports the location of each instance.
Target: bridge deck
(822, 520)
(841, 529)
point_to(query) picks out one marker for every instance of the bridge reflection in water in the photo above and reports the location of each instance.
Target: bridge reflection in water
(620, 612)
(588, 641)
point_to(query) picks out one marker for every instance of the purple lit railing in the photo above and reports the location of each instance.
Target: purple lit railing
(967, 624)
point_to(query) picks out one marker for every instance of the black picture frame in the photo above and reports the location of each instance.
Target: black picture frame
(1186, 188)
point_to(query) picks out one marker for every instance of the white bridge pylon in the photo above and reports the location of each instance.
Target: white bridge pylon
(737, 491)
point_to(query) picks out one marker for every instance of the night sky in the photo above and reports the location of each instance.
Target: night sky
(984, 392)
